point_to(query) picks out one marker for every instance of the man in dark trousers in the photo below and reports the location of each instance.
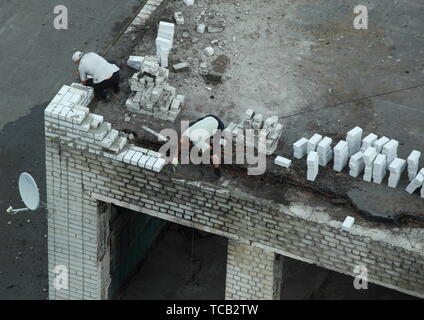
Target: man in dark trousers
(96, 72)
(201, 133)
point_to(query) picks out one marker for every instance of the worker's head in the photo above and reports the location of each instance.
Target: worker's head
(76, 57)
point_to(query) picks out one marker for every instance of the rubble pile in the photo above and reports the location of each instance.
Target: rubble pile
(270, 128)
(151, 93)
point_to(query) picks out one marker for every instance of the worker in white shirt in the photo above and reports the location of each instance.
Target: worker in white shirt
(96, 72)
(201, 133)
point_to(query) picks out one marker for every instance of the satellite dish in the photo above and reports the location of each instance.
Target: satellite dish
(29, 191)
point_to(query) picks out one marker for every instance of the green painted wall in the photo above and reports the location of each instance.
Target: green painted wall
(132, 235)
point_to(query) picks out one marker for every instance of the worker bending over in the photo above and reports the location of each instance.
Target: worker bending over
(97, 73)
(201, 133)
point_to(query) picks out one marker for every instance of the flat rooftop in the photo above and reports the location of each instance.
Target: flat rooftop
(304, 62)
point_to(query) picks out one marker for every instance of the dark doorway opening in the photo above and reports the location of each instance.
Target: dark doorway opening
(184, 264)
(129, 239)
(303, 281)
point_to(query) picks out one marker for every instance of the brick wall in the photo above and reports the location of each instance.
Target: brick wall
(252, 273)
(82, 169)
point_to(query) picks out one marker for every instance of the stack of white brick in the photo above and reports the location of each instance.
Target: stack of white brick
(369, 156)
(379, 168)
(416, 183)
(300, 148)
(353, 139)
(390, 151)
(341, 155)
(313, 165)
(85, 130)
(356, 164)
(413, 164)
(368, 141)
(269, 131)
(76, 94)
(379, 144)
(396, 168)
(325, 153)
(164, 42)
(313, 142)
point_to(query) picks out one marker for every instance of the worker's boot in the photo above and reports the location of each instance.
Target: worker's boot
(217, 172)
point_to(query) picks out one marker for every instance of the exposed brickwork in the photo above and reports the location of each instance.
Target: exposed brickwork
(79, 173)
(252, 273)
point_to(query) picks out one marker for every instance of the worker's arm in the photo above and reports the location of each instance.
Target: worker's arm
(79, 76)
(83, 75)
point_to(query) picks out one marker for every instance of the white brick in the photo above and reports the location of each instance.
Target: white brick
(135, 62)
(313, 165)
(143, 160)
(166, 26)
(353, 139)
(150, 163)
(379, 144)
(390, 151)
(109, 139)
(348, 223)
(368, 141)
(313, 142)
(209, 51)
(136, 157)
(179, 18)
(128, 156)
(300, 148)
(159, 164)
(283, 162)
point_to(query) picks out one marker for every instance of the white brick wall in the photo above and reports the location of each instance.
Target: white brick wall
(252, 273)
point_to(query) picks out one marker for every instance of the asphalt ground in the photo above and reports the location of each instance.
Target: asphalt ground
(35, 63)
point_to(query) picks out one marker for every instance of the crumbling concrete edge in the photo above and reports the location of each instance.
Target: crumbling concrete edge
(141, 18)
(411, 239)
